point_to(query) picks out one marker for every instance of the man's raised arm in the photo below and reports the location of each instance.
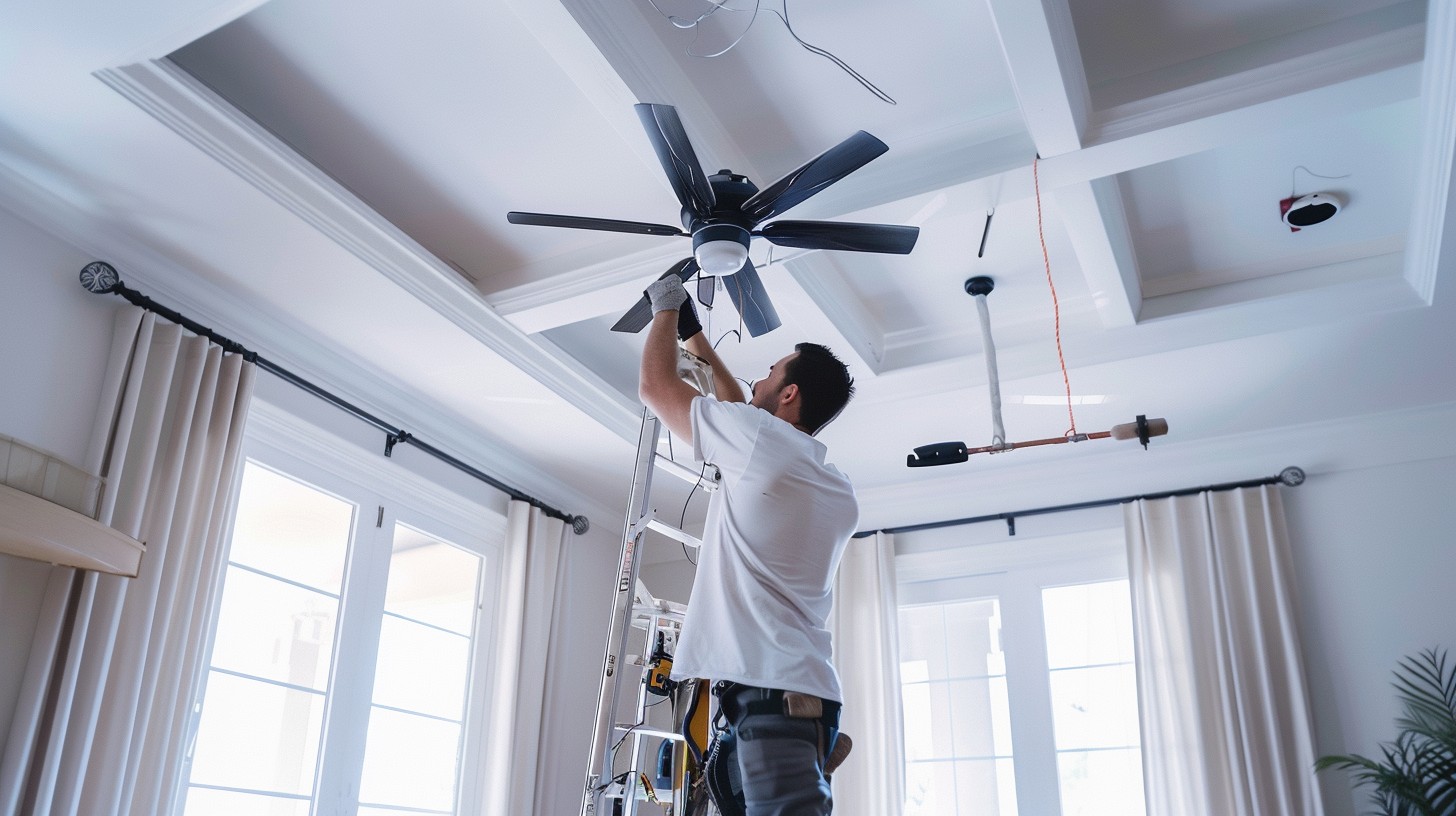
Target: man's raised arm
(659, 387)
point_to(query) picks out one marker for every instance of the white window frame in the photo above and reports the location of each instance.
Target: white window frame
(383, 494)
(1015, 571)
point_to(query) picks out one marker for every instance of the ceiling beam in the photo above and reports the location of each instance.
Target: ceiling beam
(1436, 185)
(628, 42)
(1096, 222)
(1041, 52)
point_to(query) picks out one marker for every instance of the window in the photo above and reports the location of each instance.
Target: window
(342, 674)
(1018, 678)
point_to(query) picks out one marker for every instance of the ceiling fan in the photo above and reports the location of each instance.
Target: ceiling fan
(723, 211)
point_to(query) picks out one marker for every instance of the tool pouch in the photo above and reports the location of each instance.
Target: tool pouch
(720, 771)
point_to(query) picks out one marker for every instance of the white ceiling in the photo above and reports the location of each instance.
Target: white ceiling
(328, 180)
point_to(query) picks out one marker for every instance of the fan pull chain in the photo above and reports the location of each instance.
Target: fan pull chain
(1056, 306)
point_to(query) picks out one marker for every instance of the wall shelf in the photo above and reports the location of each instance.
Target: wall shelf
(32, 527)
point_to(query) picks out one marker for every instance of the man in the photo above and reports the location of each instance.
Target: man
(774, 535)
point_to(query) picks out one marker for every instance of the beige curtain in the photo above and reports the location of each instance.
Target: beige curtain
(97, 730)
(867, 656)
(1225, 711)
(531, 571)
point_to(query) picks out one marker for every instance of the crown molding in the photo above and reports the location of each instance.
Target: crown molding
(224, 133)
(1283, 80)
(303, 353)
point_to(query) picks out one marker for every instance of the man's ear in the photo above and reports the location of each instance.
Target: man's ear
(789, 395)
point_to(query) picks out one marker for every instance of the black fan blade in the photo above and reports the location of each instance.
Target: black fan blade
(581, 222)
(675, 152)
(637, 317)
(831, 166)
(752, 301)
(887, 238)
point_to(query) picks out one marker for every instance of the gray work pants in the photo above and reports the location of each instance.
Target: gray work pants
(767, 763)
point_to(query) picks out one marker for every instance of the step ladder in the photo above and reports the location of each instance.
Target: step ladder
(638, 620)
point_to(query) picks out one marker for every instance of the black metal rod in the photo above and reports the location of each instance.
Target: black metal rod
(398, 435)
(1011, 517)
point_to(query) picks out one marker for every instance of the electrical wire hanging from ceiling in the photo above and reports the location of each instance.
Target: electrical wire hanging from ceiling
(1056, 306)
(716, 6)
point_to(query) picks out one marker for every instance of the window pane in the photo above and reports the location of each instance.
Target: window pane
(413, 761)
(985, 787)
(976, 709)
(930, 788)
(1100, 782)
(1095, 707)
(1094, 698)
(207, 802)
(922, 643)
(421, 669)
(957, 713)
(973, 634)
(1088, 624)
(410, 761)
(271, 629)
(432, 581)
(258, 736)
(287, 528)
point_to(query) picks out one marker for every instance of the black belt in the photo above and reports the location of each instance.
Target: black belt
(769, 701)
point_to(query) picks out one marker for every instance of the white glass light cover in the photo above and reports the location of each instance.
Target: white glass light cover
(721, 258)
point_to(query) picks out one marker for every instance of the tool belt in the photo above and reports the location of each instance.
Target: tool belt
(793, 704)
(736, 701)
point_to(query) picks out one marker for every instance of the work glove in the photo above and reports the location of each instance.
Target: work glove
(666, 293)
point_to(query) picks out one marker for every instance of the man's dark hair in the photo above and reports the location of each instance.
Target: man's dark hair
(824, 385)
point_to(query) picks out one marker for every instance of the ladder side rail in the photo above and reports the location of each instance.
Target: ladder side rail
(599, 771)
(634, 765)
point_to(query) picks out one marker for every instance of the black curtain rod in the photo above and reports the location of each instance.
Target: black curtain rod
(102, 278)
(1289, 476)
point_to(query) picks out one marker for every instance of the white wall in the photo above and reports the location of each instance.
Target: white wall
(1374, 551)
(52, 337)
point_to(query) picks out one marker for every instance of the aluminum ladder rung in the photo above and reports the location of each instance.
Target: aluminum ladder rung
(628, 728)
(674, 533)
(706, 479)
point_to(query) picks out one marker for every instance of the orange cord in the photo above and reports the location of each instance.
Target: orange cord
(1056, 307)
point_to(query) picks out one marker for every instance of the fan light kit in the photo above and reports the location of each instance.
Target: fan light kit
(720, 249)
(724, 211)
(1308, 210)
(950, 453)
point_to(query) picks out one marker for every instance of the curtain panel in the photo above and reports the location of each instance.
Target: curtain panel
(865, 627)
(531, 573)
(114, 660)
(1225, 712)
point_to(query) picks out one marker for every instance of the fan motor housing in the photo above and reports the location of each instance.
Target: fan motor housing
(730, 190)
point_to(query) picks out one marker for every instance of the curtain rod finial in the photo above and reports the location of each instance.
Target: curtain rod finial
(98, 277)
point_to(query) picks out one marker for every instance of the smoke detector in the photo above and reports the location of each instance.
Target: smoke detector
(1308, 210)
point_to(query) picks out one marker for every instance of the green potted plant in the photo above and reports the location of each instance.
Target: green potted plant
(1416, 775)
